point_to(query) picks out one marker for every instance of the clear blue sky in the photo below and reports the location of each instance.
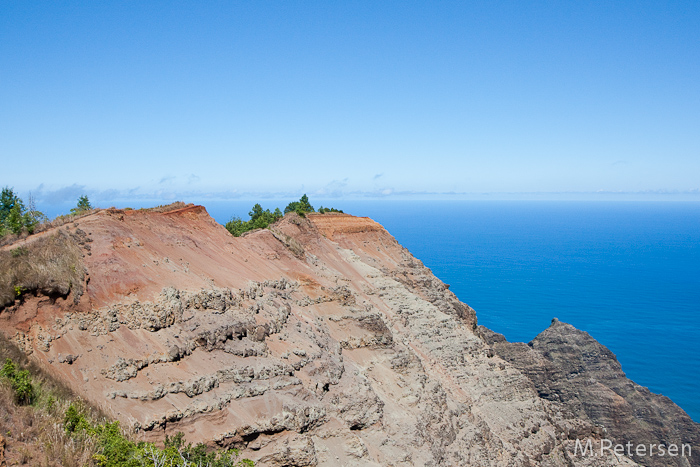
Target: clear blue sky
(180, 100)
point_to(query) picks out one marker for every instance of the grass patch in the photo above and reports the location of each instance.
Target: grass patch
(165, 207)
(50, 265)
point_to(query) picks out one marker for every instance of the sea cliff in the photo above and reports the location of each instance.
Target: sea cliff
(318, 341)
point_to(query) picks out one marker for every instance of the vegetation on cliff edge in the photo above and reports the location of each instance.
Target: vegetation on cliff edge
(19, 219)
(260, 219)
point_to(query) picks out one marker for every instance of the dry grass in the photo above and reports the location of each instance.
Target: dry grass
(50, 265)
(167, 207)
(58, 448)
(35, 434)
(10, 238)
(62, 220)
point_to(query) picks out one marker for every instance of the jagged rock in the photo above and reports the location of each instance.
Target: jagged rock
(356, 403)
(295, 452)
(354, 447)
(291, 243)
(69, 358)
(570, 367)
(124, 369)
(174, 353)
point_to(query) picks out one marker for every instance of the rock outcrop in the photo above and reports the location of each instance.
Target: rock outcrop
(570, 367)
(320, 341)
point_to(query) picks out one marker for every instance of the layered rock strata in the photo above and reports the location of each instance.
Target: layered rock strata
(320, 341)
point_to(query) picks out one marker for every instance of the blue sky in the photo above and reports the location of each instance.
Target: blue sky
(193, 100)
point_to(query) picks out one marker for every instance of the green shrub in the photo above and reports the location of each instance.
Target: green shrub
(74, 421)
(236, 226)
(105, 443)
(21, 251)
(113, 449)
(323, 210)
(259, 219)
(20, 382)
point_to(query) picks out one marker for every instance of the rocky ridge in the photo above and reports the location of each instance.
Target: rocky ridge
(320, 341)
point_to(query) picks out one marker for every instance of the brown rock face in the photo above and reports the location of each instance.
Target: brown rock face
(320, 341)
(569, 366)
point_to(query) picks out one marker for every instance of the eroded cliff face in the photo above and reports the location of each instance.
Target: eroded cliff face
(320, 341)
(569, 366)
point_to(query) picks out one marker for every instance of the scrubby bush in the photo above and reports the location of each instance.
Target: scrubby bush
(236, 226)
(19, 252)
(20, 382)
(323, 210)
(114, 449)
(74, 421)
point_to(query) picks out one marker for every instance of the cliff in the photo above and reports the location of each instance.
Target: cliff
(319, 341)
(569, 366)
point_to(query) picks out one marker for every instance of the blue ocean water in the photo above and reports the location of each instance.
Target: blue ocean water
(626, 272)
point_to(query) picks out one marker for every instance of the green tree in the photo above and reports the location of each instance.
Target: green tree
(301, 207)
(15, 219)
(8, 199)
(83, 205)
(236, 226)
(11, 211)
(305, 205)
(259, 219)
(14, 216)
(256, 213)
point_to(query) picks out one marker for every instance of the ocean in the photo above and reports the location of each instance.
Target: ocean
(626, 272)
